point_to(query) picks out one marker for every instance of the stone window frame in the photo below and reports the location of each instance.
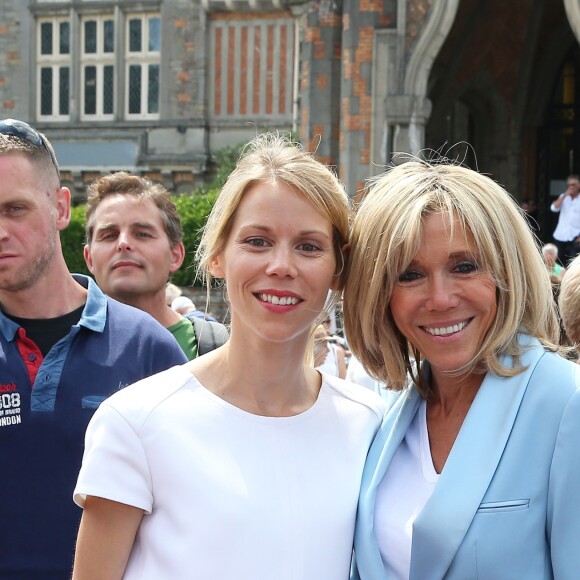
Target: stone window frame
(51, 67)
(74, 13)
(146, 61)
(101, 61)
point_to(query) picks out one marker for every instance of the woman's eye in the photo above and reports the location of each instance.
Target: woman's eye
(309, 247)
(409, 276)
(466, 267)
(257, 242)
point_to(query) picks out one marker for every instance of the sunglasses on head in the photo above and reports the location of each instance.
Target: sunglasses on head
(24, 131)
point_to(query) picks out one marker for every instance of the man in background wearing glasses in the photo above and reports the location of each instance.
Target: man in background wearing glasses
(64, 347)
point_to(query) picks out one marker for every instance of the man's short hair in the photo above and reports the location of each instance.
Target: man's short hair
(20, 137)
(123, 183)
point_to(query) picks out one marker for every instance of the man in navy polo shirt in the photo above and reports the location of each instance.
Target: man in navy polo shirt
(64, 347)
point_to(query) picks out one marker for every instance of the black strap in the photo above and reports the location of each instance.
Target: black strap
(209, 334)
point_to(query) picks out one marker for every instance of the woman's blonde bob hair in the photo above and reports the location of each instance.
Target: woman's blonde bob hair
(271, 157)
(386, 235)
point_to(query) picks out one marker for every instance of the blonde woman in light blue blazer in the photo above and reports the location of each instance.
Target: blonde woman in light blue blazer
(475, 472)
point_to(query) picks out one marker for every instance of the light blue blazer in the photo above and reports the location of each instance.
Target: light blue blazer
(507, 503)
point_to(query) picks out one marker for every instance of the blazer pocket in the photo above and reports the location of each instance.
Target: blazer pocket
(510, 505)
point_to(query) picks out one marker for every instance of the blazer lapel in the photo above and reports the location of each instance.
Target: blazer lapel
(440, 528)
(386, 442)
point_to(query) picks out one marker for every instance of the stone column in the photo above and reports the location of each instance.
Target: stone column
(320, 79)
(406, 117)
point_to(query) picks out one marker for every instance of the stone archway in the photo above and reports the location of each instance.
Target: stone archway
(504, 75)
(441, 17)
(400, 107)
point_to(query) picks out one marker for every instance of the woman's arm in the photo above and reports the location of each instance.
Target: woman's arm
(105, 539)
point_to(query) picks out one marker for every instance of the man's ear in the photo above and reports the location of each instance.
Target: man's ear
(177, 257)
(62, 205)
(88, 259)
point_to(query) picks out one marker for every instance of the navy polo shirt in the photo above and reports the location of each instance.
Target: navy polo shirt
(45, 406)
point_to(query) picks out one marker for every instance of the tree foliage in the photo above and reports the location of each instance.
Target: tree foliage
(72, 240)
(193, 211)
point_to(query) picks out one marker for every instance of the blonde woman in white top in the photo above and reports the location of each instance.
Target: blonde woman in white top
(244, 464)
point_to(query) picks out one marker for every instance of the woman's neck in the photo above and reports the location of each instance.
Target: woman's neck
(447, 406)
(449, 391)
(263, 379)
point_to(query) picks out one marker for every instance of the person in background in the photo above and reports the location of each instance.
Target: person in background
(568, 229)
(172, 292)
(550, 255)
(475, 471)
(64, 347)
(530, 211)
(252, 416)
(356, 373)
(134, 244)
(186, 307)
(569, 303)
(329, 323)
(329, 357)
(556, 272)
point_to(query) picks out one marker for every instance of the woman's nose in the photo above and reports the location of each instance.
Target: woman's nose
(281, 263)
(442, 293)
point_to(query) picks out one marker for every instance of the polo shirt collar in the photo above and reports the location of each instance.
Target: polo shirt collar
(94, 316)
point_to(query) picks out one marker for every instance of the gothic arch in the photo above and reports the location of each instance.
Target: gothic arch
(441, 17)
